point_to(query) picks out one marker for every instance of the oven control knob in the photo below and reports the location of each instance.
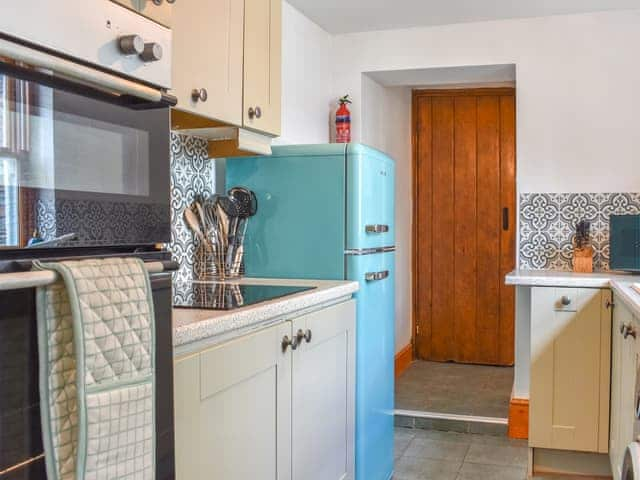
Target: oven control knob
(152, 52)
(131, 44)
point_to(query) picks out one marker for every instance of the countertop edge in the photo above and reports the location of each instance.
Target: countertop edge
(209, 332)
(620, 284)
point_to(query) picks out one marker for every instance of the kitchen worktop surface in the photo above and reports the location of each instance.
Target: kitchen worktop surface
(194, 329)
(621, 284)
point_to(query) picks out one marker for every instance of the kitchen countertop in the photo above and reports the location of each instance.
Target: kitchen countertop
(619, 283)
(194, 329)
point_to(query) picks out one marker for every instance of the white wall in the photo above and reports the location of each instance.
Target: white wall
(306, 79)
(387, 127)
(577, 95)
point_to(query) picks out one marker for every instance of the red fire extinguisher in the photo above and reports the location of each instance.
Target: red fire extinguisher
(343, 121)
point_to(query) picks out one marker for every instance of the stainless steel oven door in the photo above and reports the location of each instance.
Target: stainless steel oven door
(79, 169)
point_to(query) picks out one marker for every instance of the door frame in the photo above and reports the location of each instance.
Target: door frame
(445, 92)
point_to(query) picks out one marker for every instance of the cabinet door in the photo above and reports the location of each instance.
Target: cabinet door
(629, 367)
(323, 395)
(619, 351)
(207, 58)
(262, 65)
(233, 410)
(161, 13)
(570, 369)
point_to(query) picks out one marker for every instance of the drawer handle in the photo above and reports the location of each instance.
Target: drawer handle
(289, 342)
(375, 276)
(304, 335)
(376, 228)
(565, 301)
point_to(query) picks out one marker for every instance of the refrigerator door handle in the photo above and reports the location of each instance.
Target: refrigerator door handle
(375, 276)
(376, 228)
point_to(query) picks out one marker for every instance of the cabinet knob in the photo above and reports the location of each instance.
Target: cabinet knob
(131, 44)
(254, 112)
(152, 52)
(629, 331)
(566, 301)
(289, 342)
(304, 335)
(199, 95)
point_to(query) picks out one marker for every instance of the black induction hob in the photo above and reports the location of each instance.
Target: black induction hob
(228, 296)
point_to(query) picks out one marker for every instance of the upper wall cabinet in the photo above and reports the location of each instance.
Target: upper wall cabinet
(158, 10)
(227, 61)
(262, 65)
(207, 58)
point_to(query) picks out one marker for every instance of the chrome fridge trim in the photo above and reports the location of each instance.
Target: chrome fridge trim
(369, 251)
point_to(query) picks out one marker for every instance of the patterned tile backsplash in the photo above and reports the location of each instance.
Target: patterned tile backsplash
(192, 173)
(548, 221)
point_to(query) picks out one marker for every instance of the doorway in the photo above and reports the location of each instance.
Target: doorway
(464, 154)
(464, 243)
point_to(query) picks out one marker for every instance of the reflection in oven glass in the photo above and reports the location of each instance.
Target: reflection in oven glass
(77, 171)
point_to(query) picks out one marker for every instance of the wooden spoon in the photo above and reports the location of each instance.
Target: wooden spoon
(191, 219)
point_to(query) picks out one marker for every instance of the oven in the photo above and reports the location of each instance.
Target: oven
(79, 169)
(21, 450)
(84, 172)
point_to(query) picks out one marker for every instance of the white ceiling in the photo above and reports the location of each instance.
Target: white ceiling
(343, 16)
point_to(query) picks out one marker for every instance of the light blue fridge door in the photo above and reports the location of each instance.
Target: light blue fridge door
(299, 229)
(370, 198)
(375, 344)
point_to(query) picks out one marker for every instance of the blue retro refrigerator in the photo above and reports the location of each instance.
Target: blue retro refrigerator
(327, 212)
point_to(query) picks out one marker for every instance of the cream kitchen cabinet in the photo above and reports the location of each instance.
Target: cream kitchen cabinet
(276, 404)
(262, 65)
(158, 10)
(570, 369)
(207, 65)
(227, 61)
(625, 351)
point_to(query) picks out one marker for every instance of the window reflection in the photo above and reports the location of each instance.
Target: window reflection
(60, 151)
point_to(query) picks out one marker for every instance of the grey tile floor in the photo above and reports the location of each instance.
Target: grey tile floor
(455, 388)
(431, 454)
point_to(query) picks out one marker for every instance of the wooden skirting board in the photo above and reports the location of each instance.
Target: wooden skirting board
(519, 418)
(403, 359)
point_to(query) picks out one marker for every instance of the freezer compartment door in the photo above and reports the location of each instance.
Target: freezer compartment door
(370, 198)
(375, 332)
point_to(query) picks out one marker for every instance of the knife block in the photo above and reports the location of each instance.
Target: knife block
(583, 259)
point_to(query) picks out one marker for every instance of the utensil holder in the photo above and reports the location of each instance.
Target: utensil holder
(218, 262)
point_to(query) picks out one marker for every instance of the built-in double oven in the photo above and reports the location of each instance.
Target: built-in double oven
(84, 172)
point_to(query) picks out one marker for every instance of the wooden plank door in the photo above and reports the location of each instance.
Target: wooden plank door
(464, 154)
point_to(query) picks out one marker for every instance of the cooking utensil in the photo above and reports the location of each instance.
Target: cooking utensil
(250, 208)
(191, 219)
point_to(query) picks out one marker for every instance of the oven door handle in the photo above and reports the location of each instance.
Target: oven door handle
(81, 74)
(42, 278)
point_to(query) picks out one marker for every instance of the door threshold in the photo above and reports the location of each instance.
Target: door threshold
(452, 416)
(451, 422)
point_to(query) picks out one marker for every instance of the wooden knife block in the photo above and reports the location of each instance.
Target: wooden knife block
(583, 260)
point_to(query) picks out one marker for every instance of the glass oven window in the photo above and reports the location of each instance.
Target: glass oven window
(8, 202)
(81, 171)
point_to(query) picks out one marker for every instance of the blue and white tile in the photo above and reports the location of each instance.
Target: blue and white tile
(548, 221)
